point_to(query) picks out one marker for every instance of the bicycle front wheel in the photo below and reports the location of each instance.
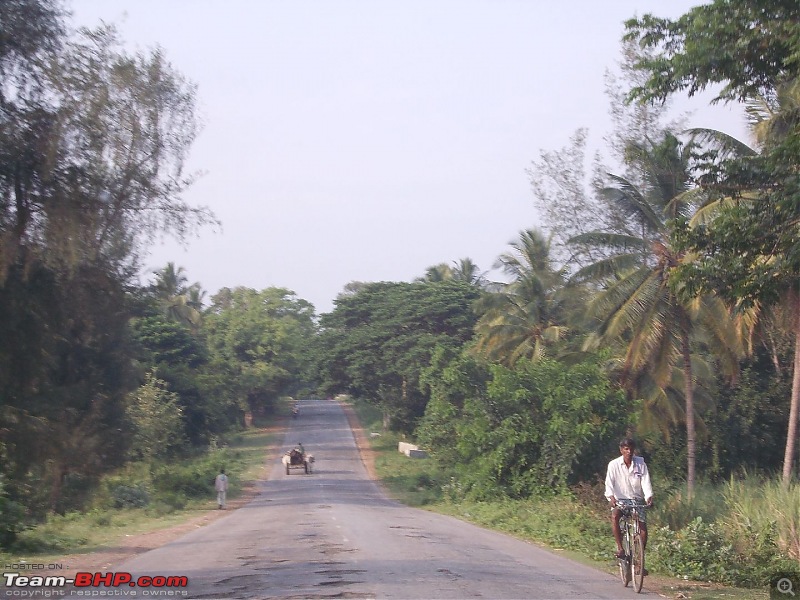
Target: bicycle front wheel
(637, 563)
(625, 563)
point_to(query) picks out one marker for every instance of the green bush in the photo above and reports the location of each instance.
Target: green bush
(533, 430)
(194, 480)
(699, 551)
(130, 496)
(173, 500)
(453, 491)
(101, 518)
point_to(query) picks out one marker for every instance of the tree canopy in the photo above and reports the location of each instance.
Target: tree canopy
(377, 341)
(751, 47)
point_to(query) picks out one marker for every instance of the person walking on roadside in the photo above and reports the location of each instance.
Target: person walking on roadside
(221, 486)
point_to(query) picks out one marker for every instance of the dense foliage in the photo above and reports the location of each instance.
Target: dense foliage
(377, 341)
(537, 428)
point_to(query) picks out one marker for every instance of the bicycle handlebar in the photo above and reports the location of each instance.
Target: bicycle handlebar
(627, 505)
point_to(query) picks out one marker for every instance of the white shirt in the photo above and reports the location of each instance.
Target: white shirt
(628, 483)
(221, 483)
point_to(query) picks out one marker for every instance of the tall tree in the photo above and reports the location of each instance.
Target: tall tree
(98, 166)
(93, 143)
(462, 270)
(170, 281)
(637, 302)
(751, 250)
(564, 199)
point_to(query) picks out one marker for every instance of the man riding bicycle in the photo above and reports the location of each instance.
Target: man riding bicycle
(627, 478)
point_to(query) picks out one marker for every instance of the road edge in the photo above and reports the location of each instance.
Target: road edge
(363, 446)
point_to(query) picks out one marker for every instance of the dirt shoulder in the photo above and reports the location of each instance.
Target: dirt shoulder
(362, 441)
(132, 545)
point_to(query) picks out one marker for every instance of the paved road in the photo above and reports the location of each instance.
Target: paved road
(332, 534)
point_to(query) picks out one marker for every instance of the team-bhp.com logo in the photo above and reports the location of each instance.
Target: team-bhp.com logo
(94, 584)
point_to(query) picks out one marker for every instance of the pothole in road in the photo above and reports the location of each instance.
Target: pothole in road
(339, 571)
(450, 573)
(339, 582)
(332, 548)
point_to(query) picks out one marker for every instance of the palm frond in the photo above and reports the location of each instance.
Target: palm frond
(613, 266)
(619, 305)
(631, 203)
(726, 145)
(706, 214)
(685, 203)
(617, 241)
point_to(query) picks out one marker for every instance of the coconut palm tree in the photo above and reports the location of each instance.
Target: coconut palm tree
(440, 272)
(179, 302)
(463, 270)
(662, 329)
(466, 270)
(524, 316)
(170, 281)
(195, 297)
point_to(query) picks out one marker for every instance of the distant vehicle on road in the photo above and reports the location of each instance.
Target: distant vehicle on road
(297, 458)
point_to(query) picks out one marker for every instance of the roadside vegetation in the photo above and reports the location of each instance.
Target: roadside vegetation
(721, 544)
(142, 498)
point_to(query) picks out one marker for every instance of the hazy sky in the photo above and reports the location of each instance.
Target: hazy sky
(368, 140)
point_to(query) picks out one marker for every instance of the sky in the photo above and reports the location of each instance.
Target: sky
(358, 140)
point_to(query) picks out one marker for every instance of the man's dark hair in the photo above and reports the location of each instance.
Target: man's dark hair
(629, 442)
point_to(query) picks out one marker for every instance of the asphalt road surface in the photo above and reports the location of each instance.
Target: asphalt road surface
(333, 534)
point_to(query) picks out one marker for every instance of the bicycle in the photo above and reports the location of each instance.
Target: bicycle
(632, 566)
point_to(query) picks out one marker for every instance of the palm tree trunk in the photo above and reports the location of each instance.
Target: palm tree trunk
(791, 434)
(691, 450)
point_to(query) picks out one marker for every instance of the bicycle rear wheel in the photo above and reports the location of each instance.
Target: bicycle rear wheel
(637, 563)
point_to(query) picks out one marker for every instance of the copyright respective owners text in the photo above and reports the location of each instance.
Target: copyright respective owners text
(785, 586)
